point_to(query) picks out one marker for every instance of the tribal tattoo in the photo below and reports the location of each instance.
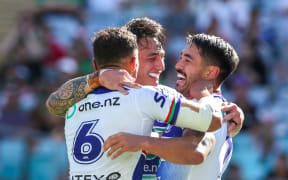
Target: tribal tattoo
(68, 94)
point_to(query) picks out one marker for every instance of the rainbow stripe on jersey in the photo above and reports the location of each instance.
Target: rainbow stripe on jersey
(173, 112)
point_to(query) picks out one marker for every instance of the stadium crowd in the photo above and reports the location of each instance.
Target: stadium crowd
(51, 44)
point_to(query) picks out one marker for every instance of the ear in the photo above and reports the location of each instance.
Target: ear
(133, 64)
(95, 65)
(211, 72)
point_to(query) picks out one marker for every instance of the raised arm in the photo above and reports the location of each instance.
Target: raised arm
(76, 89)
(70, 93)
(201, 117)
(193, 148)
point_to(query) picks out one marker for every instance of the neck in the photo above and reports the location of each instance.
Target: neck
(200, 89)
(118, 68)
(216, 86)
(110, 66)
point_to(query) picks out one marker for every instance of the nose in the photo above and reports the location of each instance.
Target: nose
(179, 65)
(159, 63)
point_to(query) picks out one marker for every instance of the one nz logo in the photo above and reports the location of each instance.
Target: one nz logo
(115, 101)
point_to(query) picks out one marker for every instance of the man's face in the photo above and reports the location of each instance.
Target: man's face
(189, 70)
(151, 61)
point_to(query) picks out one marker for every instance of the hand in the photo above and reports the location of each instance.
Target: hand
(122, 142)
(235, 116)
(117, 78)
(93, 81)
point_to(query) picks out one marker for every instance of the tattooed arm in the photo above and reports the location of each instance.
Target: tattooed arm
(76, 89)
(70, 93)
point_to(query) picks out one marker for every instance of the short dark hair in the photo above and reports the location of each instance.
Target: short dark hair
(112, 44)
(216, 51)
(145, 27)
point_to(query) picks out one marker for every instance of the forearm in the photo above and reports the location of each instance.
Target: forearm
(68, 94)
(200, 117)
(182, 150)
(192, 148)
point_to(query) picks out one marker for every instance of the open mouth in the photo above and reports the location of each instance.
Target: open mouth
(154, 75)
(181, 77)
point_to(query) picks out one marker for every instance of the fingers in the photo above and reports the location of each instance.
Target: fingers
(131, 84)
(230, 116)
(226, 107)
(118, 153)
(111, 141)
(113, 149)
(122, 90)
(129, 81)
(128, 76)
(234, 115)
(231, 127)
(116, 79)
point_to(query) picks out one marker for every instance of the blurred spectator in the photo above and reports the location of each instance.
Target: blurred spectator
(178, 18)
(233, 173)
(280, 170)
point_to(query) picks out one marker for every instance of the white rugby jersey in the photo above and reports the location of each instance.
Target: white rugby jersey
(103, 113)
(215, 163)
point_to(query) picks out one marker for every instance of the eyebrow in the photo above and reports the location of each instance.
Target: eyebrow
(187, 55)
(153, 54)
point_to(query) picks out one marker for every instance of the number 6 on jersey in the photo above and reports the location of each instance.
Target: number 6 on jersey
(87, 146)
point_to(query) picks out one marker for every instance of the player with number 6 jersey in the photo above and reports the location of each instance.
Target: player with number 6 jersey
(105, 112)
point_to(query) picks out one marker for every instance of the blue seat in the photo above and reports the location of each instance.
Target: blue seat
(49, 160)
(13, 153)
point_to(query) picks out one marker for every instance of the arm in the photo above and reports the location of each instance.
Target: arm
(235, 116)
(193, 148)
(200, 116)
(165, 104)
(76, 89)
(70, 93)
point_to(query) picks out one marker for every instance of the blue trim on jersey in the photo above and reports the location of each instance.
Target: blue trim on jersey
(176, 111)
(139, 169)
(219, 96)
(160, 124)
(173, 131)
(228, 138)
(103, 90)
(229, 141)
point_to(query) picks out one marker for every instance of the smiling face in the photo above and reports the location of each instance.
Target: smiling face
(151, 61)
(190, 69)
